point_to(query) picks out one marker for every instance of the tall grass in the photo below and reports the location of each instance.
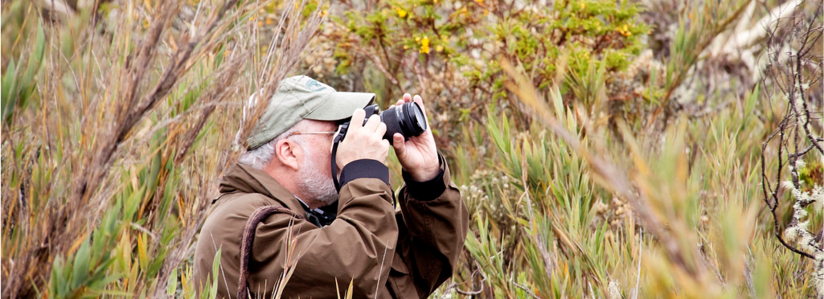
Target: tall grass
(111, 155)
(119, 119)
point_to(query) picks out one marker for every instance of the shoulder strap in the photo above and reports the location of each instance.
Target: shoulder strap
(249, 238)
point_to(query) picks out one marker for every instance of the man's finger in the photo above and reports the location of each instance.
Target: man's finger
(372, 124)
(419, 100)
(381, 129)
(399, 145)
(356, 122)
(407, 97)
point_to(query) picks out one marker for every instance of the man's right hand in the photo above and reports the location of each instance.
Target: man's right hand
(363, 141)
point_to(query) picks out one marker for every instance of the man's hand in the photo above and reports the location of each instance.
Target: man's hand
(363, 141)
(418, 155)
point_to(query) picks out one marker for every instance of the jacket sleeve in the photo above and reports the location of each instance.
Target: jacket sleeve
(358, 247)
(432, 228)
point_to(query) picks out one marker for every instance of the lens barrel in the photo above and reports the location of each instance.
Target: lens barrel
(407, 119)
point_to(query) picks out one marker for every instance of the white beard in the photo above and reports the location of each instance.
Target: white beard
(315, 184)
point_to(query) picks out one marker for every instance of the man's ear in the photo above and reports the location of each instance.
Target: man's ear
(288, 152)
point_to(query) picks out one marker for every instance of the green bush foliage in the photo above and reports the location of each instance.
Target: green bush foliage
(604, 149)
(451, 49)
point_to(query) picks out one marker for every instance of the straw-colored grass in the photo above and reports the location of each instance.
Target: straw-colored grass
(596, 160)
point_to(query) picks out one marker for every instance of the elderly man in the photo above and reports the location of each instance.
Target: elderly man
(332, 237)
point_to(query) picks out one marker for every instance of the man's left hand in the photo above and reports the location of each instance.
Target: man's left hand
(418, 155)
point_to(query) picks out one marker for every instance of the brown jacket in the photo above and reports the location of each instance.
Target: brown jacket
(404, 254)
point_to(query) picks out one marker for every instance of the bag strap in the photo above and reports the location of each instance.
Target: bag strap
(249, 238)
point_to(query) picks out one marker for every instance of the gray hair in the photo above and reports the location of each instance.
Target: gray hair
(260, 157)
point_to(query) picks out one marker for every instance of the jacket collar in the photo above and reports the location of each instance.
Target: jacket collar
(244, 179)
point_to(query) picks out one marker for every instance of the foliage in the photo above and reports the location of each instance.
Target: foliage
(421, 45)
(109, 153)
(604, 149)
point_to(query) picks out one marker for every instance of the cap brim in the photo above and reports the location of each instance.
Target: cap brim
(341, 105)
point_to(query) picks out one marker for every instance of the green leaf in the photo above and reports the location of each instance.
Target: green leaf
(215, 267)
(9, 89)
(28, 83)
(80, 269)
(219, 56)
(171, 285)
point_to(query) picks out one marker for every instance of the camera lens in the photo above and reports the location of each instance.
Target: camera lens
(407, 119)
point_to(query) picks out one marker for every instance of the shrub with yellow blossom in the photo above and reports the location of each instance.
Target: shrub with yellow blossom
(395, 40)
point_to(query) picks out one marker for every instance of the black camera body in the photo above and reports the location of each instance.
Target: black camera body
(407, 119)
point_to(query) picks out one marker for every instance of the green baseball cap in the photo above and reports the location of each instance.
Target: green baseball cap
(301, 97)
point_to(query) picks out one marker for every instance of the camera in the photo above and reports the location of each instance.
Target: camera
(407, 119)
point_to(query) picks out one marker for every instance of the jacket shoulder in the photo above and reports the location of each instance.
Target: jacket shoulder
(241, 202)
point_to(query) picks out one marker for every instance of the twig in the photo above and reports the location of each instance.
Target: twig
(455, 285)
(526, 289)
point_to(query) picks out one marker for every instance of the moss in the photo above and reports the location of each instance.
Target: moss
(811, 175)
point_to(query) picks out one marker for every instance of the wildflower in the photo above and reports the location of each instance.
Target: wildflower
(439, 48)
(401, 12)
(405, 47)
(624, 30)
(425, 45)
(583, 5)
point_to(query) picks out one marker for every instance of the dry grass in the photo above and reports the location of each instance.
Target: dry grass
(112, 165)
(119, 120)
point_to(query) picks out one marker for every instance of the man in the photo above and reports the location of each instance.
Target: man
(333, 237)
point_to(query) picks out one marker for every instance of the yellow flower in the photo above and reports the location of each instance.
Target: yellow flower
(439, 48)
(401, 12)
(405, 47)
(486, 12)
(417, 39)
(480, 1)
(425, 45)
(583, 5)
